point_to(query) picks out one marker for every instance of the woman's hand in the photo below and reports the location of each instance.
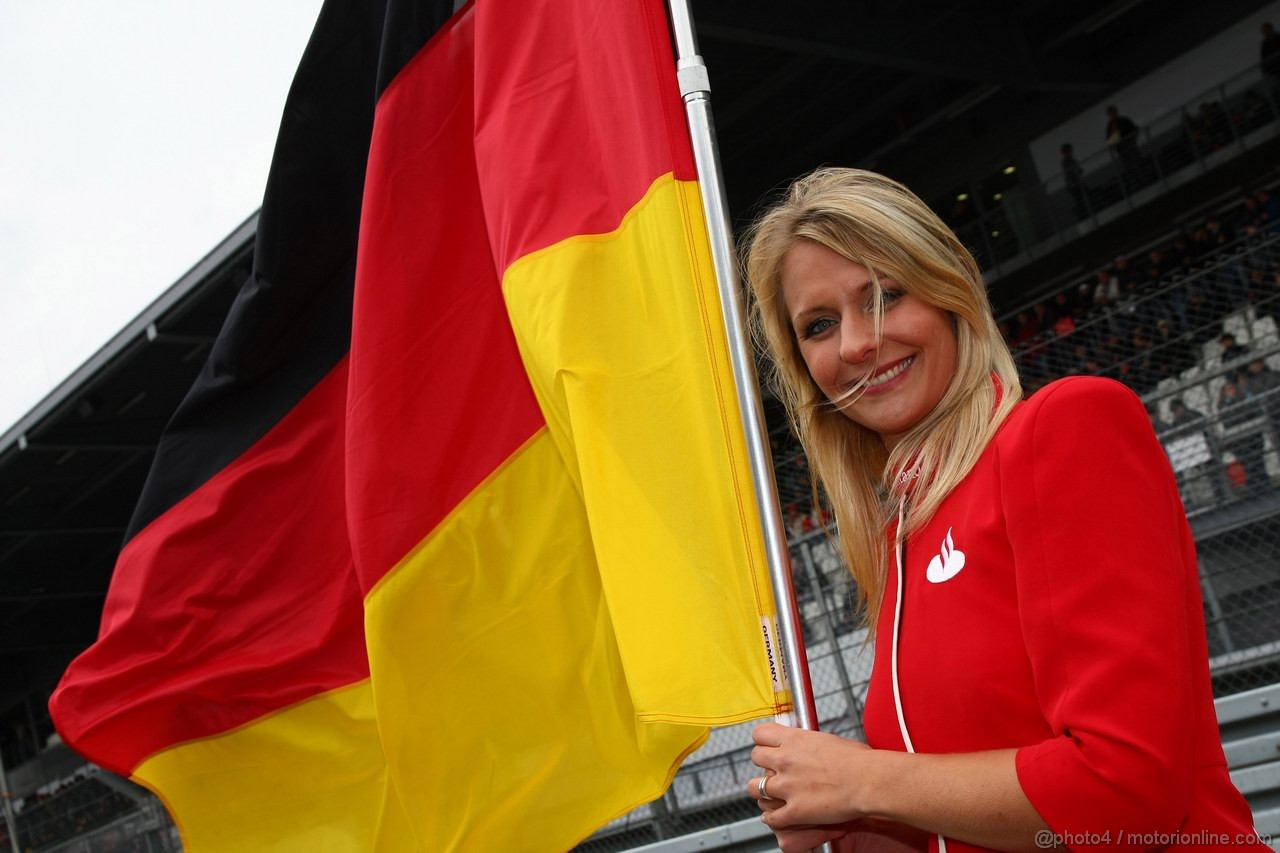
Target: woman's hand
(866, 835)
(814, 779)
(808, 838)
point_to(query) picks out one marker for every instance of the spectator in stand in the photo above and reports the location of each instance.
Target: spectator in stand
(1269, 53)
(1073, 177)
(1146, 372)
(1034, 358)
(1080, 360)
(1261, 293)
(1122, 138)
(1219, 234)
(1230, 349)
(1126, 315)
(1157, 267)
(1270, 207)
(1264, 385)
(1041, 311)
(1199, 310)
(1027, 327)
(1201, 244)
(1251, 219)
(1173, 348)
(1063, 313)
(1237, 408)
(1125, 372)
(1107, 286)
(1084, 300)
(1183, 253)
(1122, 271)
(1108, 349)
(1162, 370)
(1262, 381)
(1176, 297)
(1232, 352)
(1110, 328)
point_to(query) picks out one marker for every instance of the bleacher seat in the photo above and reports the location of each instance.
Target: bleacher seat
(1264, 332)
(1197, 398)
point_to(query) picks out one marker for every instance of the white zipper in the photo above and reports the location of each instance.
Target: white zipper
(893, 654)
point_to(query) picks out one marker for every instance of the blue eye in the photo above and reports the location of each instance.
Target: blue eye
(818, 326)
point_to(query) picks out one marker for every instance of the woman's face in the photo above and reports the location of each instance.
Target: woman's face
(830, 302)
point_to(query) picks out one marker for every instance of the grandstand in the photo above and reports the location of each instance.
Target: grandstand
(1134, 263)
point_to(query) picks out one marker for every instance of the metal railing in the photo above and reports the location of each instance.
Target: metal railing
(1018, 223)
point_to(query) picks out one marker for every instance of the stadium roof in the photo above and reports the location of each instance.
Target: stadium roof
(72, 468)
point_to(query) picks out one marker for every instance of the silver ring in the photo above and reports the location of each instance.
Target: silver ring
(764, 795)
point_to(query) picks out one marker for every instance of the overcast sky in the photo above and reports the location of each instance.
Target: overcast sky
(134, 136)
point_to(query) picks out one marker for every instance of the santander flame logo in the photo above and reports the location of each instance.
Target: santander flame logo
(947, 564)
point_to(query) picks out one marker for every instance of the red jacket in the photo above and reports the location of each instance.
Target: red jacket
(1053, 604)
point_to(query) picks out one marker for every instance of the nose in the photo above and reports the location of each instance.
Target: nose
(857, 338)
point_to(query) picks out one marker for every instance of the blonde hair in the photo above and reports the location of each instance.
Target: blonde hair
(881, 225)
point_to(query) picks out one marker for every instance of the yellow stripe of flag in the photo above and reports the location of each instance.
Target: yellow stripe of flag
(558, 616)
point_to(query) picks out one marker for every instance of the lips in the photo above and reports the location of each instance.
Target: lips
(890, 372)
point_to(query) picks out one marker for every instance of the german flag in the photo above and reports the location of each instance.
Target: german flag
(452, 545)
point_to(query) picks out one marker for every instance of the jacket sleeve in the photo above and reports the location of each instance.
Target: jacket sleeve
(1101, 550)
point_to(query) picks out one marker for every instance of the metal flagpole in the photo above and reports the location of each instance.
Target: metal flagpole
(695, 89)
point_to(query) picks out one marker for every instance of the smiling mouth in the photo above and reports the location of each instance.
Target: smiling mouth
(891, 372)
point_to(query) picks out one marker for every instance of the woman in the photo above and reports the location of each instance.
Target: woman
(1041, 662)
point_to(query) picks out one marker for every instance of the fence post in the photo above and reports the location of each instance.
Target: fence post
(1215, 610)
